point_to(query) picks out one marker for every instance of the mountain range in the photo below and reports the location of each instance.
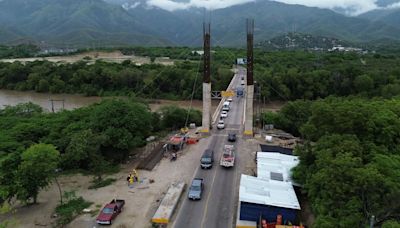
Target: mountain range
(132, 22)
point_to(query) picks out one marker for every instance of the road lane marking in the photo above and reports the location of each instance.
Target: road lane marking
(208, 197)
(211, 142)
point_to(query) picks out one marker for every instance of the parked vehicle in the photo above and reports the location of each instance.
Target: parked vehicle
(232, 137)
(221, 124)
(224, 114)
(207, 159)
(110, 211)
(228, 156)
(196, 189)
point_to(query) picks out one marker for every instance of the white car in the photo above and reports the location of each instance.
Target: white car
(224, 114)
(221, 124)
(230, 99)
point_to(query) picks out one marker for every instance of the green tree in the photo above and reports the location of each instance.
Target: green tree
(174, 117)
(83, 146)
(38, 164)
(363, 83)
(8, 174)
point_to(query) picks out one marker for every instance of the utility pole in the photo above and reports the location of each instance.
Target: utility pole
(248, 124)
(52, 104)
(372, 221)
(206, 120)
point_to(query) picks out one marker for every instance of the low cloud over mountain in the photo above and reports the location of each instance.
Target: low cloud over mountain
(349, 7)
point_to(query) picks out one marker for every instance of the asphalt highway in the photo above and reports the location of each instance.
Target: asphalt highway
(217, 207)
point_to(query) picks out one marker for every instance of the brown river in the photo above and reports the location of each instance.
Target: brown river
(72, 101)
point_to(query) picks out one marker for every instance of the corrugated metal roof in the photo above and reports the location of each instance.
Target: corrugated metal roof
(267, 192)
(269, 163)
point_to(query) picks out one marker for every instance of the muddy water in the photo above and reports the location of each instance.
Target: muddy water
(72, 101)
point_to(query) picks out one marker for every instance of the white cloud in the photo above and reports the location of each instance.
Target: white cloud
(393, 6)
(209, 4)
(354, 6)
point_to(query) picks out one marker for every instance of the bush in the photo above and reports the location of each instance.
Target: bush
(99, 183)
(72, 208)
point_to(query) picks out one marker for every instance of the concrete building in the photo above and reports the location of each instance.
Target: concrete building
(269, 194)
(268, 199)
(276, 166)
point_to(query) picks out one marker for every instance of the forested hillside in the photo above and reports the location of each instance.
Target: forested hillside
(87, 23)
(304, 75)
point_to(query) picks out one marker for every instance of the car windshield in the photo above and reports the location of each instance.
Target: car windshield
(107, 210)
(195, 188)
(227, 155)
(206, 160)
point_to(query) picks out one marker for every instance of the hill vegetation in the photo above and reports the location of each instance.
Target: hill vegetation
(299, 41)
(307, 75)
(98, 23)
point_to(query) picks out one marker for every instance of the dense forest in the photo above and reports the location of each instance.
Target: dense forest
(306, 75)
(279, 75)
(18, 51)
(91, 138)
(103, 78)
(350, 161)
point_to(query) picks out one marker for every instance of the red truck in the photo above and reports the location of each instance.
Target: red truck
(110, 211)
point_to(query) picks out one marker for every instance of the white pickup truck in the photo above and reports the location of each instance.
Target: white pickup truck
(228, 156)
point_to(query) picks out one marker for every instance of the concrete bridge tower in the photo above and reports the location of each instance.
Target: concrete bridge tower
(206, 121)
(248, 124)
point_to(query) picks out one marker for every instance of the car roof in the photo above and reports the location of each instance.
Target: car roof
(208, 152)
(196, 182)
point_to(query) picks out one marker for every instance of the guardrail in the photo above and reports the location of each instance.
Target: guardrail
(216, 113)
(168, 204)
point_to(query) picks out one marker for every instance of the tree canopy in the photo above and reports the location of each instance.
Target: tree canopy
(350, 162)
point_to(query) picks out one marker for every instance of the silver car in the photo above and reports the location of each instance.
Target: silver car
(221, 124)
(196, 189)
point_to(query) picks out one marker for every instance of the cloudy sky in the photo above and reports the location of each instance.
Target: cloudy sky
(352, 6)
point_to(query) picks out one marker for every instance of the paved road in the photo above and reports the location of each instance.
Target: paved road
(217, 206)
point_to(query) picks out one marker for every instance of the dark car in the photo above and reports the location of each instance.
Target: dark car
(196, 189)
(232, 137)
(207, 159)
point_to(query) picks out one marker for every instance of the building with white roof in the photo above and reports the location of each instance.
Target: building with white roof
(271, 193)
(276, 166)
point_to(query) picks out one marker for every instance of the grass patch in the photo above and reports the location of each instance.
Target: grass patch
(73, 207)
(96, 183)
(94, 212)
